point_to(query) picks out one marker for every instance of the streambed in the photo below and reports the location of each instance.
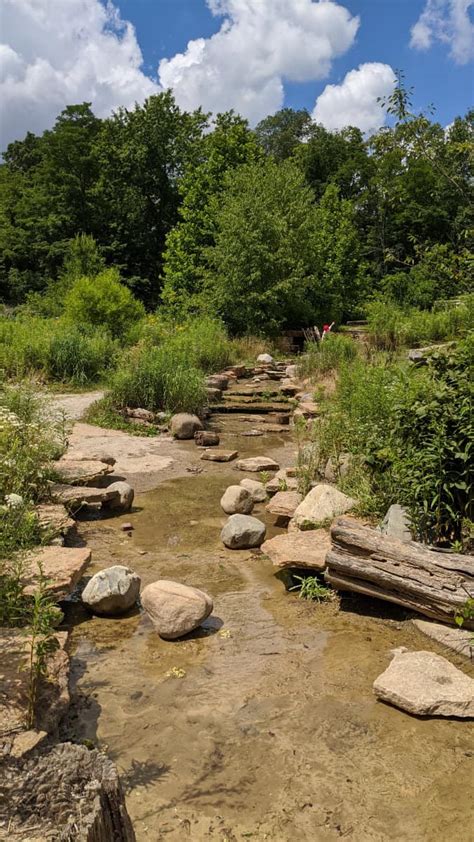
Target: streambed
(261, 725)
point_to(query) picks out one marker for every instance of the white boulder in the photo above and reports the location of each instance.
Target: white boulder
(323, 503)
(112, 591)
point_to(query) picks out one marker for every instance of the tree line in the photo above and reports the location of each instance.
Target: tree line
(284, 225)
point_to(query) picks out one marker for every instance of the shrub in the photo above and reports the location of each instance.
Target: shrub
(78, 357)
(103, 301)
(390, 326)
(158, 378)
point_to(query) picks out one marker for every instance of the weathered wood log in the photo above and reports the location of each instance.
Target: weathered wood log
(411, 575)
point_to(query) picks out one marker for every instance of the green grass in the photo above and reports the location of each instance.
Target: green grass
(391, 327)
(328, 356)
(104, 413)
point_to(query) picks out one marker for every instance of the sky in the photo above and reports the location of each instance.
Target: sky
(332, 57)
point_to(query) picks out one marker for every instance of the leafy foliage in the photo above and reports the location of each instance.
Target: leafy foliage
(102, 301)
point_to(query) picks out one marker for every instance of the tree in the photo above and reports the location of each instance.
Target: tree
(281, 133)
(230, 145)
(278, 260)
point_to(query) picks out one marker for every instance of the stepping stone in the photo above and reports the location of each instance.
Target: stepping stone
(55, 517)
(75, 496)
(81, 472)
(219, 455)
(458, 639)
(63, 566)
(323, 503)
(277, 481)
(426, 684)
(257, 489)
(257, 463)
(299, 549)
(284, 503)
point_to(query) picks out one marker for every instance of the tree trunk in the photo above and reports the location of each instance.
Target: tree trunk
(363, 560)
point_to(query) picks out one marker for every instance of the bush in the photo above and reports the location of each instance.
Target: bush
(103, 301)
(80, 358)
(158, 378)
(327, 356)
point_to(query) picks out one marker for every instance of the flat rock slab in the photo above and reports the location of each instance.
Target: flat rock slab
(284, 503)
(75, 496)
(426, 684)
(63, 566)
(81, 472)
(219, 455)
(55, 517)
(299, 549)
(257, 463)
(459, 640)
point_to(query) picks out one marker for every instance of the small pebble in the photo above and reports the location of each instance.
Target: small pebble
(127, 527)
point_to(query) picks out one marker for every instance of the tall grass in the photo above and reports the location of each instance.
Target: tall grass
(53, 349)
(391, 327)
(158, 378)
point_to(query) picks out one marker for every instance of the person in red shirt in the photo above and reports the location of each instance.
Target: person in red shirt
(327, 329)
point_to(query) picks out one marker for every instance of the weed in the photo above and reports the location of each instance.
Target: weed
(310, 587)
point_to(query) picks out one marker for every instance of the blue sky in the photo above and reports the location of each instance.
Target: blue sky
(164, 28)
(334, 57)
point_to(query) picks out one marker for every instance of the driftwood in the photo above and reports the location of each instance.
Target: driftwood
(411, 575)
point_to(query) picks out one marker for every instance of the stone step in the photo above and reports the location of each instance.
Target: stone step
(81, 472)
(55, 518)
(305, 550)
(260, 408)
(75, 496)
(62, 566)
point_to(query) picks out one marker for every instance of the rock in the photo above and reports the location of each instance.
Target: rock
(256, 489)
(420, 356)
(112, 591)
(26, 742)
(257, 463)
(175, 609)
(458, 639)
(217, 381)
(282, 481)
(55, 518)
(81, 472)
(61, 566)
(337, 468)
(323, 503)
(183, 425)
(289, 388)
(307, 409)
(237, 500)
(14, 501)
(396, 524)
(284, 503)
(214, 394)
(291, 371)
(141, 414)
(299, 549)
(123, 499)
(242, 532)
(206, 438)
(281, 419)
(74, 497)
(127, 527)
(219, 455)
(426, 684)
(252, 433)
(266, 359)
(236, 371)
(95, 453)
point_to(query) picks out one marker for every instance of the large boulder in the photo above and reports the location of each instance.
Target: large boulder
(322, 504)
(217, 381)
(257, 463)
(426, 684)
(266, 359)
(396, 524)
(237, 500)
(112, 591)
(242, 532)
(184, 426)
(175, 609)
(257, 489)
(123, 499)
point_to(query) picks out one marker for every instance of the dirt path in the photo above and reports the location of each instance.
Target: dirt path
(272, 732)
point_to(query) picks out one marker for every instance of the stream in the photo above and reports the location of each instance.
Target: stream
(262, 724)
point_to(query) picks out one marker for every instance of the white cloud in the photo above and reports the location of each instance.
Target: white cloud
(448, 21)
(354, 101)
(59, 52)
(260, 44)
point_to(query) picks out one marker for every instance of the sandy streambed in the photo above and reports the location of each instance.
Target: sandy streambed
(263, 724)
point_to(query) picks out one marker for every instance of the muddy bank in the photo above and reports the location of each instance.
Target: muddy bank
(263, 723)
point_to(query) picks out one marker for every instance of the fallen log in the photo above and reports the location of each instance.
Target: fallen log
(411, 575)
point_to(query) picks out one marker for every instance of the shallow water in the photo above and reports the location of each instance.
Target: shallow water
(272, 732)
